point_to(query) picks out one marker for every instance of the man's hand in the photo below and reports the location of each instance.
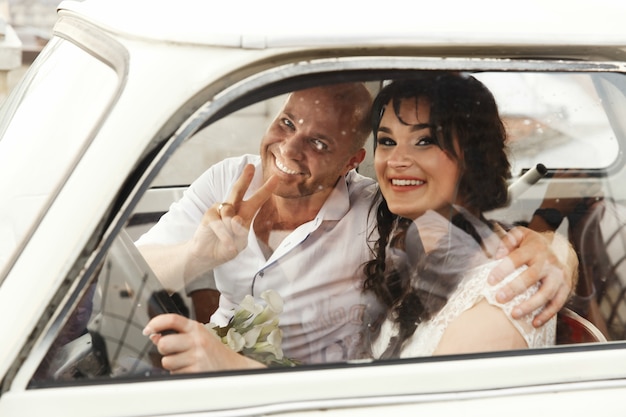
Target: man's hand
(193, 348)
(222, 234)
(551, 260)
(223, 231)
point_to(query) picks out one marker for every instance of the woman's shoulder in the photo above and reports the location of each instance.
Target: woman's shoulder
(535, 337)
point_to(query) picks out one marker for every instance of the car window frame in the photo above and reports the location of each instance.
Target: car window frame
(271, 82)
(106, 50)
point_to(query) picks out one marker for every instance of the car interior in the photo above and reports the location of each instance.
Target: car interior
(567, 123)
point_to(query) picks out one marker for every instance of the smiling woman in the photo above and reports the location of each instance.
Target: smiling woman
(441, 163)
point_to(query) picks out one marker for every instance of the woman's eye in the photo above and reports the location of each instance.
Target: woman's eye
(425, 141)
(384, 141)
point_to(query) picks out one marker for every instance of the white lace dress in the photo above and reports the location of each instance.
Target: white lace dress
(472, 288)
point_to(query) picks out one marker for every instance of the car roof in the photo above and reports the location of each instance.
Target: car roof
(285, 23)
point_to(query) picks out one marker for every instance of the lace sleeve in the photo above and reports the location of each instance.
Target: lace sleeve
(542, 337)
(470, 291)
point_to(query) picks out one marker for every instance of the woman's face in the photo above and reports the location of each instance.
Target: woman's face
(415, 175)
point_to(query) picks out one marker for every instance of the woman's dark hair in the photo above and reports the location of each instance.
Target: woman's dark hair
(463, 112)
(461, 108)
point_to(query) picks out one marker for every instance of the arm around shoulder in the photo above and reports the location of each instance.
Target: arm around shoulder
(566, 254)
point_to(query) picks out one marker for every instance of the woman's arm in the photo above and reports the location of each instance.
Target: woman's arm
(484, 327)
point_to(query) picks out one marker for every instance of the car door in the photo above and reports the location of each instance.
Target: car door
(87, 354)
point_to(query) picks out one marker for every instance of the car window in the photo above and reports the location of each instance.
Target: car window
(556, 119)
(235, 135)
(103, 336)
(565, 121)
(548, 116)
(40, 142)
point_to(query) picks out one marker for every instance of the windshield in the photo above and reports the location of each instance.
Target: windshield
(44, 127)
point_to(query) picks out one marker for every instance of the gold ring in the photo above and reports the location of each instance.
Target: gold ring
(221, 206)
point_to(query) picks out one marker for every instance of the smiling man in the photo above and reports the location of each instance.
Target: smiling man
(296, 220)
(307, 240)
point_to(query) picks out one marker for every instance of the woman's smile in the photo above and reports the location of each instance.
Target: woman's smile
(402, 183)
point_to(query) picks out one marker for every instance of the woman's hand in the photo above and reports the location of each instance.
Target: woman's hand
(192, 348)
(551, 260)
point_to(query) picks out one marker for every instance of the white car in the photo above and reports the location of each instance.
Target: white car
(131, 100)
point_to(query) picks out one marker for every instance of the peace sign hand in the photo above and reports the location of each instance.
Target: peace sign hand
(223, 231)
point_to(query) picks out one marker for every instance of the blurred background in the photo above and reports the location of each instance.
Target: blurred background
(25, 27)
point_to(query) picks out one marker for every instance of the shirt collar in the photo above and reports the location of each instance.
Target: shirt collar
(338, 202)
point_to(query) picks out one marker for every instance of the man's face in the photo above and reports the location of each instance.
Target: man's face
(310, 144)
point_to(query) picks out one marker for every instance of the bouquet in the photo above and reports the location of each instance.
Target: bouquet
(253, 330)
